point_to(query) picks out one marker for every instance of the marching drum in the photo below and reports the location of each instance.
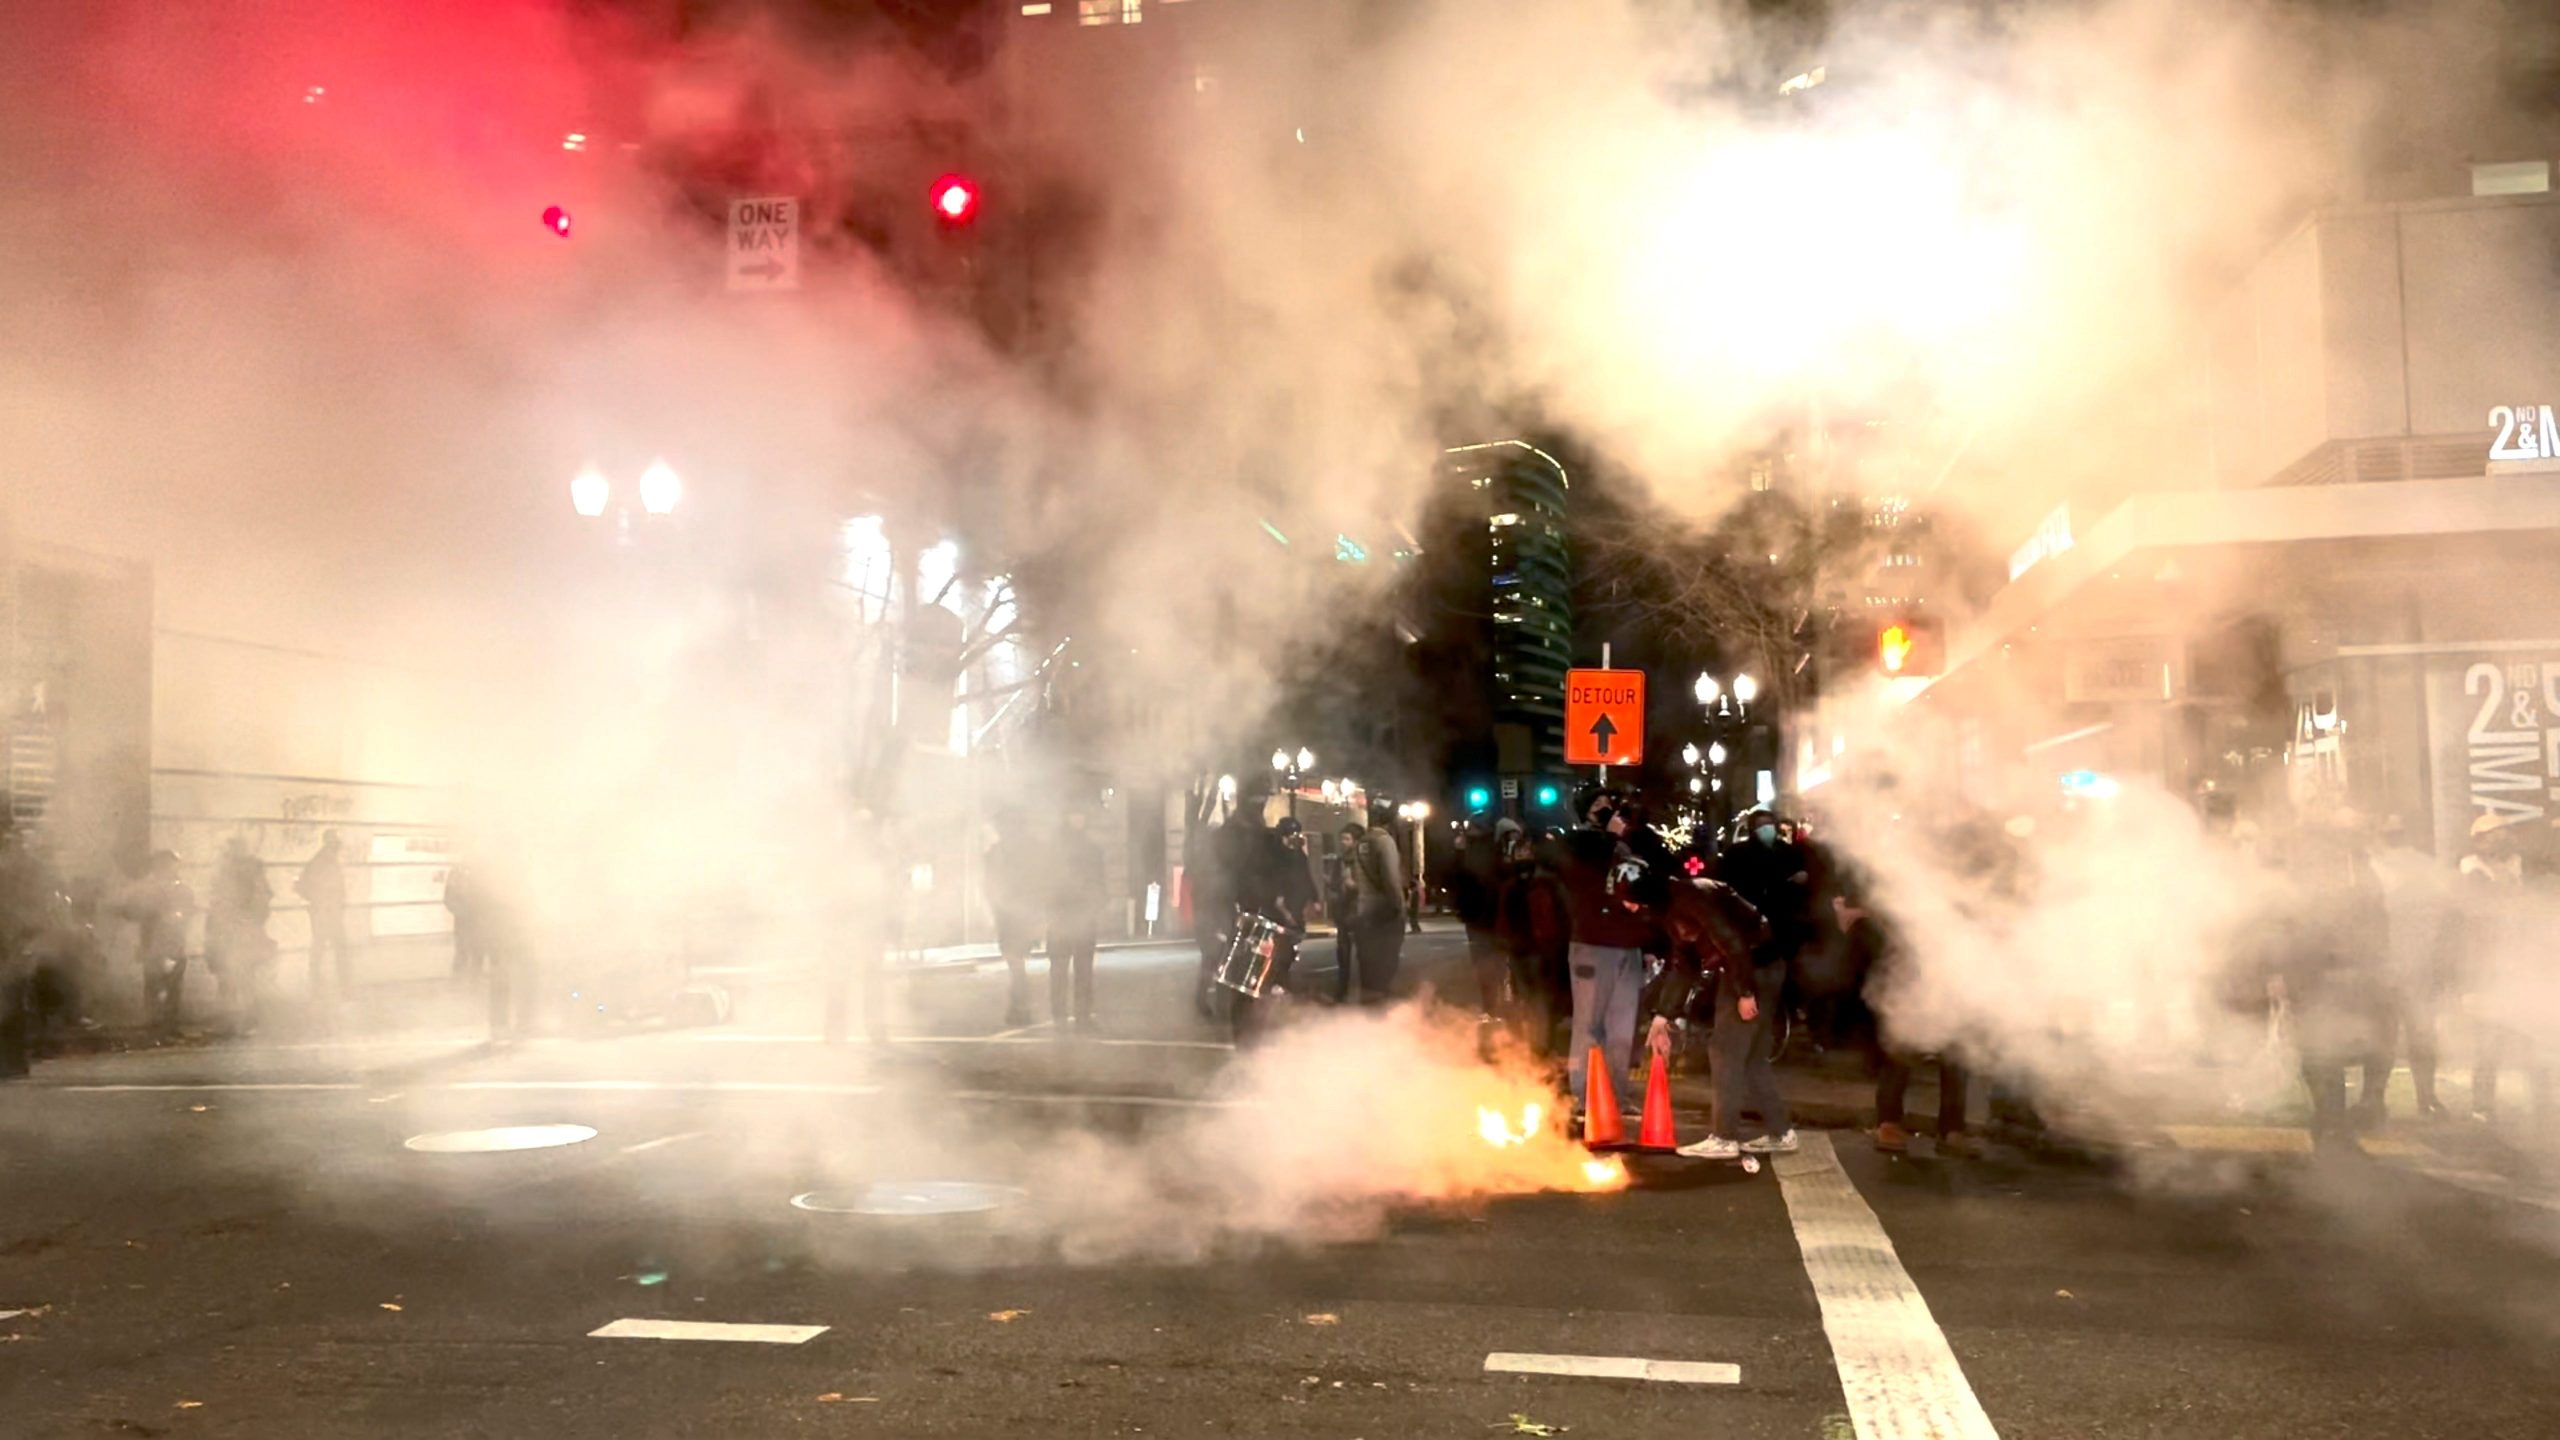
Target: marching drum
(1251, 955)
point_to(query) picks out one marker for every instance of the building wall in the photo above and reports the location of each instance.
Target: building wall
(278, 745)
(2405, 322)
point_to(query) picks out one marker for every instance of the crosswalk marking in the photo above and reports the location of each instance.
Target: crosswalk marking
(1899, 1375)
(1614, 1367)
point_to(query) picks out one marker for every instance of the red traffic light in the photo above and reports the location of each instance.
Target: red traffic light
(556, 220)
(955, 199)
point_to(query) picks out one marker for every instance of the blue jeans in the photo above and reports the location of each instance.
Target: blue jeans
(1606, 984)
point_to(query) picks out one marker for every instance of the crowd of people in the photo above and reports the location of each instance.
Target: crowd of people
(57, 935)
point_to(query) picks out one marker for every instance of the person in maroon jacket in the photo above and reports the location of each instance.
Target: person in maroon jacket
(1610, 928)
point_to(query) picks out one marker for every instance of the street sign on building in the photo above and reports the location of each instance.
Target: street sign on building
(1604, 717)
(764, 244)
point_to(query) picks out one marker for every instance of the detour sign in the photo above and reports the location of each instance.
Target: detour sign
(1604, 717)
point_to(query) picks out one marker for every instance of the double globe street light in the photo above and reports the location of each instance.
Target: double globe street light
(591, 494)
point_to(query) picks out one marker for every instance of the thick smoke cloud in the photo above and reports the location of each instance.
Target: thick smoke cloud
(276, 315)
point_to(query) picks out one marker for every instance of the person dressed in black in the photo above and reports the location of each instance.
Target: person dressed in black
(1018, 892)
(1872, 952)
(161, 906)
(1770, 871)
(1536, 926)
(1270, 880)
(2332, 975)
(323, 887)
(237, 947)
(470, 946)
(1475, 891)
(1076, 889)
(1212, 906)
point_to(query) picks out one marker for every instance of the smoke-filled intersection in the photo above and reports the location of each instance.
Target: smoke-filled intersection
(645, 575)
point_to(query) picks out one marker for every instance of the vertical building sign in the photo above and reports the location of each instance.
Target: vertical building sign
(2497, 733)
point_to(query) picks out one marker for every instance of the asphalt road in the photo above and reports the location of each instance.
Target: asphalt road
(236, 1241)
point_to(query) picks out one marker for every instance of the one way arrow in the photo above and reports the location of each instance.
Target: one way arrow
(770, 268)
(1602, 730)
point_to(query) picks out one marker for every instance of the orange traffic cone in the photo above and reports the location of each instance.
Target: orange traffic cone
(1601, 1123)
(1657, 1130)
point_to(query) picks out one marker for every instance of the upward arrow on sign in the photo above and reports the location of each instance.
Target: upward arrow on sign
(1603, 731)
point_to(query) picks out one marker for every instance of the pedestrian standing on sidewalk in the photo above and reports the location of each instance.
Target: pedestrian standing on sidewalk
(2418, 896)
(1381, 906)
(1342, 902)
(24, 897)
(2330, 973)
(162, 906)
(323, 888)
(1018, 892)
(2504, 948)
(470, 946)
(1606, 954)
(236, 944)
(1075, 891)
(1872, 951)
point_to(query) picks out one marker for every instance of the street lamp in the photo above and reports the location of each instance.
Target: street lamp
(660, 488)
(591, 494)
(1689, 755)
(1707, 688)
(1715, 752)
(1290, 768)
(1745, 689)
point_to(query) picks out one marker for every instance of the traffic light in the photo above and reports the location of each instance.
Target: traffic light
(1913, 645)
(556, 220)
(1548, 795)
(955, 200)
(1478, 797)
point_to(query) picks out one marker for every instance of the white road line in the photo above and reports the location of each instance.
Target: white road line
(707, 1330)
(1022, 1029)
(663, 1141)
(1615, 1367)
(1900, 1376)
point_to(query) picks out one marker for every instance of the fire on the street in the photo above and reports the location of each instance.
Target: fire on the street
(1591, 1173)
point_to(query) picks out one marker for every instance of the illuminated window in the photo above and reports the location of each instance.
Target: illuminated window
(1042, 8)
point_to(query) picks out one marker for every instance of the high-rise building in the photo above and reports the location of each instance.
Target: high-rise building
(1517, 494)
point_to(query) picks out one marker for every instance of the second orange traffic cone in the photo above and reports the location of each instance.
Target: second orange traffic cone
(1601, 1123)
(1657, 1130)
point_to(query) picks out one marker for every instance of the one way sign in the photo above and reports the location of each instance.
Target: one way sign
(764, 244)
(1604, 717)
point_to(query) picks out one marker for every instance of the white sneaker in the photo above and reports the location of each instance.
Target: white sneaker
(1772, 1144)
(1714, 1147)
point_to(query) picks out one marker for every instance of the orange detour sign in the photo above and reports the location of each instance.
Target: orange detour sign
(1604, 717)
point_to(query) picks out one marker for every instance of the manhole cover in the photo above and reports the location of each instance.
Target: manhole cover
(505, 1137)
(909, 1197)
